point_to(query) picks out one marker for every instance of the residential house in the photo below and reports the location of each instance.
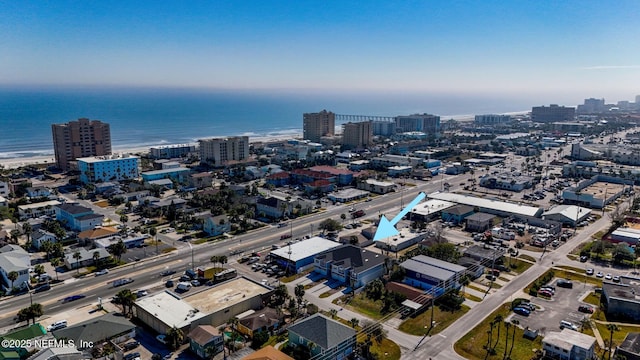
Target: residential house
(89, 237)
(170, 173)
(14, 258)
(35, 210)
(432, 274)
(217, 225)
(38, 237)
(266, 319)
(4, 189)
(108, 327)
(86, 257)
(205, 341)
(3, 201)
(276, 207)
(77, 218)
(569, 345)
(376, 186)
(38, 191)
(350, 265)
(278, 179)
(268, 353)
(326, 338)
(200, 180)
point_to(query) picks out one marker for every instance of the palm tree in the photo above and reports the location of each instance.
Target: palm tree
(498, 320)
(507, 325)
(77, 256)
(27, 230)
(515, 323)
(13, 276)
(126, 299)
(118, 249)
(215, 259)
(223, 260)
(343, 217)
(333, 313)
(153, 232)
(35, 311)
(612, 328)
(96, 257)
(175, 338)
(299, 293)
(55, 262)
(38, 269)
(464, 281)
(354, 322)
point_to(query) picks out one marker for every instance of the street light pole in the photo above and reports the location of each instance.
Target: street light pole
(193, 264)
(29, 290)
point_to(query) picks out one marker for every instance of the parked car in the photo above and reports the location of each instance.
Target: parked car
(564, 324)
(608, 277)
(585, 309)
(616, 278)
(565, 283)
(546, 293)
(131, 356)
(522, 311)
(131, 345)
(169, 284)
(584, 258)
(599, 274)
(589, 271)
(61, 324)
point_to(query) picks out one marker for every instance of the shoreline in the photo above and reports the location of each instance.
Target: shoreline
(18, 162)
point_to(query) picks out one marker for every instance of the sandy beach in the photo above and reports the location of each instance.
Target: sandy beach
(13, 163)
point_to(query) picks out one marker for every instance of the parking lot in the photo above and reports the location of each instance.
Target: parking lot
(563, 305)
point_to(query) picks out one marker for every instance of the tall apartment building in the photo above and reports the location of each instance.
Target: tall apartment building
(552, 113)
(357, 135)
(220, 151)
(492, 119)
(426, 123)
(317, 125)
(81, 138)
(592, 106)
(384, 128)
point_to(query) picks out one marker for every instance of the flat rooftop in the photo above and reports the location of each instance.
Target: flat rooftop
(490, 204)
(224, 295)
(304, 249)
(39, 204)
(431, 206)
(601, 189)
(170, 309)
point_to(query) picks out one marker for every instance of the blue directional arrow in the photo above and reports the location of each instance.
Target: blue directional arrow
(387, 228)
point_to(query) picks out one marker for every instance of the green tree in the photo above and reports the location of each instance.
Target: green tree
(12, 276)
(175, 338)
(259, 339)
(153, 232)
(333, 313)
(215, 259)
(55, 262)
(444, 251)
(612, 328)
(38, 269)
(77, 256)
(354, 322)
(498, 320)
(126, 299)
(96, 258)
(515, 323)
(27, 230)
(118, 249)
(223, 260)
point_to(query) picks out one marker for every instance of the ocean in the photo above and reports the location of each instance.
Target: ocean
(141, 117)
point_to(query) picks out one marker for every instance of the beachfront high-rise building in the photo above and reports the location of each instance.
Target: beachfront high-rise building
(383, 128)
(81, 138)
(592, 106)
(317, 125)
(223, 151)
(552, 113)
(426, 123)
(492, 119)
(357, 135)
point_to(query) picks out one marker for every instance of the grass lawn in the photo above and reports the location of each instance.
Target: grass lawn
(472, 297)
(471, 345)
(618, 336)
(593, 299)
(387, 349)
(477, 288)
(520, 266)
(416, 325)
(527, 257)
(503, 279)
(325, 294)
(168, 250)
(361, 304)
(572, 268)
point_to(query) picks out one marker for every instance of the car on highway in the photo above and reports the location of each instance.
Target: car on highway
(73, 298)
(102, 272)
(167, 272)
(141, 293)
(41, 288)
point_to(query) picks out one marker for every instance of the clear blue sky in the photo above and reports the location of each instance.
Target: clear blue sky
(586, 48)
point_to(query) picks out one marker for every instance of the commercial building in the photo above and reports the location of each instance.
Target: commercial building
(347, 195)
(630, 236)
(86, 257)
(620, 300)
(569, 345)
(172, 173)
(350, 265)
(479, 222)
(567, 214)
(220, 152)
(277, 206)
(299, 256)
(331, 339)
(317, 125)
(108, 168)
(357, 135)
(552, 113)
(108, 327)
(597, 192)
(434, 275)
(630, 347)
(426, 123)
(376, 186)
(429, 210)
(171, 151)
(78, 139)
(212, 306)
(491, 206)
(506, 181)
(77, 218)
(405, 238)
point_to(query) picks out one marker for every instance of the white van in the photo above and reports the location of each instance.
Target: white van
(564, 324)
(57, 325)
(183, 286)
